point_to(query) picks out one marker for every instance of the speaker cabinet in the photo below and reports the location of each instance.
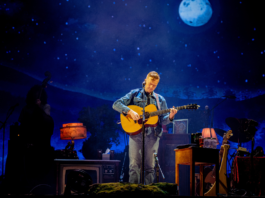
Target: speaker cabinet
(166, 156)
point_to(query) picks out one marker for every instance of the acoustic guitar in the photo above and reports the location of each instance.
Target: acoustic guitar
(133, 127)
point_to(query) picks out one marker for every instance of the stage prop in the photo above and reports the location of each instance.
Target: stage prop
(242, 174)
(78, 182)
(126, 189)
(194, 156)
(180, 126)
(71, 131)
(244, 130)
(101, 171)
(209, 133)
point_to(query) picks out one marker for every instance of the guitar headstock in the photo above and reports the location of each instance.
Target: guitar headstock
(192, 106)
(227, 135)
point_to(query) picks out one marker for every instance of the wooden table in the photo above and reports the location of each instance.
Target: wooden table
(195, 156)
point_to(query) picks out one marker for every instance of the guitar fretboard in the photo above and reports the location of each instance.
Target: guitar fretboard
(160, 112)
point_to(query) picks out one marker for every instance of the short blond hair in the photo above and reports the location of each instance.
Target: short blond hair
(154, 75)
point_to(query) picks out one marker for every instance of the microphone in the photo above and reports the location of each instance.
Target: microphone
(230, 97)
(143, 84)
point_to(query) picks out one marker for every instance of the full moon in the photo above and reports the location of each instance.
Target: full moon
(195, 12)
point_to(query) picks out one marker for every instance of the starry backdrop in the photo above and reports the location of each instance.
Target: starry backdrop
(97, 51)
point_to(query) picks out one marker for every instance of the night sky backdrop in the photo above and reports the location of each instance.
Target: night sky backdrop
(98, 50)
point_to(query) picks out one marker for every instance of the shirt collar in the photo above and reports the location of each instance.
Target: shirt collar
(152, 94)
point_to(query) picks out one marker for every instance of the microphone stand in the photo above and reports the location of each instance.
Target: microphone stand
(4, 126)
(211, 126)
(251, 132)
(212, 111)
(143, 141)
(158, 168)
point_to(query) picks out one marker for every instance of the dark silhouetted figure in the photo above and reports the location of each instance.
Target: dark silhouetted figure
(36, 123)
(30, 156)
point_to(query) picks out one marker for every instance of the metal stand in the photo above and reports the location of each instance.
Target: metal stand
(251, 168)
(211, 126)
(212, 111)
(9, 113)
(158, 168)
(250, 130)
(252, 133)
(143, 138)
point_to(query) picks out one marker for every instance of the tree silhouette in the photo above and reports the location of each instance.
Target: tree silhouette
(176, 93)
(188, 93)
(210, 93)
(229, 92)
(101, 123)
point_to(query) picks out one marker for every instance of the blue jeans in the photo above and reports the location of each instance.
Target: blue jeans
(135, 157)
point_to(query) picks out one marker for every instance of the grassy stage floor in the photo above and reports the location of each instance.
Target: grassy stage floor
(161, 188)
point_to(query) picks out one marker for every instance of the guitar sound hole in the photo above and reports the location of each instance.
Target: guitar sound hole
(147, 115)
(140, 121)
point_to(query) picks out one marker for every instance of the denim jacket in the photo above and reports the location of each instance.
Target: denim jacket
(135, 97)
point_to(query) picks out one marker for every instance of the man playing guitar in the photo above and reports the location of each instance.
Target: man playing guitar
(143, 97)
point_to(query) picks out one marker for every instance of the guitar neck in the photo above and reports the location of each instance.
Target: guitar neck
(225, 139)
(160, 112)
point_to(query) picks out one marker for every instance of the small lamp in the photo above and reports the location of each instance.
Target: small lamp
(209, 133)
(72, 131)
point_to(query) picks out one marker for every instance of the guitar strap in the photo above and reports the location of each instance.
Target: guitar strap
(157, 101)
(158, 105)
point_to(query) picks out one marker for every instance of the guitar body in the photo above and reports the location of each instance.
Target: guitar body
(210, 179)
(222, 176)
(132, 127)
